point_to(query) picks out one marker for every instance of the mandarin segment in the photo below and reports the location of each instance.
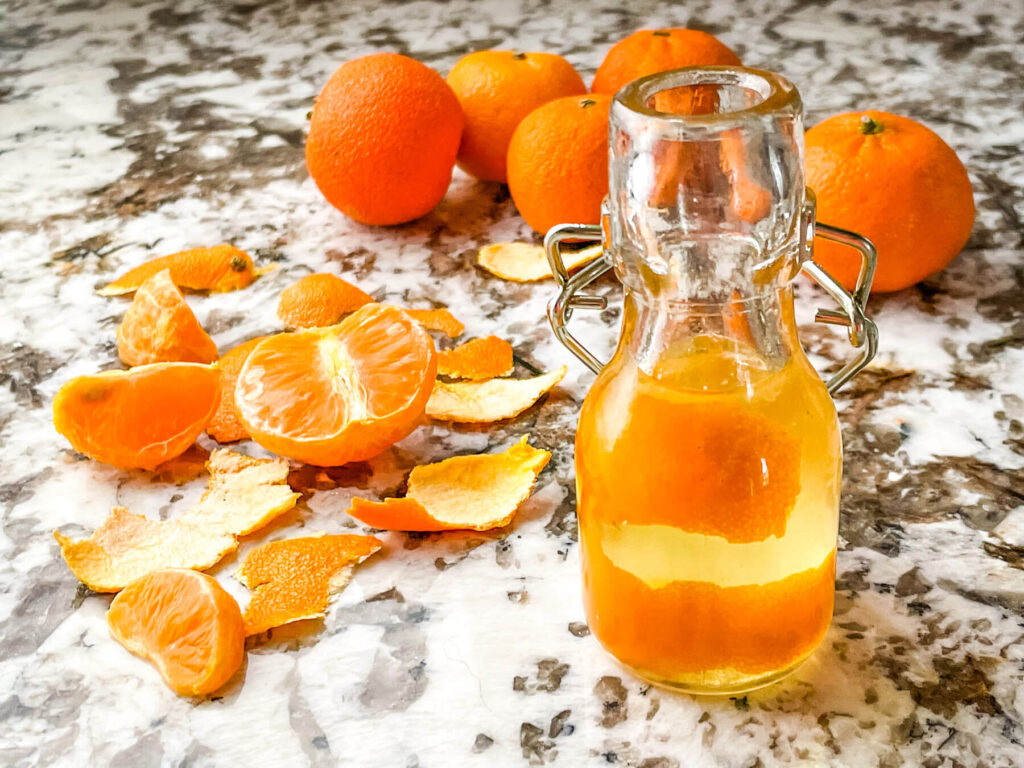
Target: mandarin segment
(483, 358)
(186, 624)
(527, 262)
(339, 394)
(293, 579)
(217, 269)
(140, 418)
(160, 327)
(478, 492)
(225, 426)
(437, 320)
(484, 402)
(243, 494)
(319, 300)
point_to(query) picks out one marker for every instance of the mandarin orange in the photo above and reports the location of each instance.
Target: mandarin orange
(896, 182)
(497, 89)
(383, 138)
(558, 162)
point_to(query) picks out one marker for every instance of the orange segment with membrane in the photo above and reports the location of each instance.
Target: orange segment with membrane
(225, 426)
(484, 402)
(345, 393)
(160, 327)
(220, 268)
(244, 494)
(319, 300)
(692, 627)
(465, 492)
(437, 320)
(186, 624)
(293, 579)
(483, 358)
(138, 418)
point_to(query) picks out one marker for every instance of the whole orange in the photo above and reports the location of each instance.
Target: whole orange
(558, 162)
(383, 137)
(896, 182)
(497, 89)
(655, 50)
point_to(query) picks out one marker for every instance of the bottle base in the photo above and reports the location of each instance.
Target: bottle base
(720, 682)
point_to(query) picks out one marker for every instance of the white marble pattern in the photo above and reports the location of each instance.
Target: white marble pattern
(134, 128)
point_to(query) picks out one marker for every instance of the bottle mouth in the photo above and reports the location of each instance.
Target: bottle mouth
(707, 98)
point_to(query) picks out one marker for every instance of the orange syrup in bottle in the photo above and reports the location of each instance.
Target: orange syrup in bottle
(708, 496)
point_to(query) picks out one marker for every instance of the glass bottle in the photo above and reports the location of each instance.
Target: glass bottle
(708, 453)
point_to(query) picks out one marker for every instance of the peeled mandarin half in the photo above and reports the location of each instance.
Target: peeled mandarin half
(186, 624)
(329, 396)
(140, 418)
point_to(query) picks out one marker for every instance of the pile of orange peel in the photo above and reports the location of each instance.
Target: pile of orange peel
(293, 579)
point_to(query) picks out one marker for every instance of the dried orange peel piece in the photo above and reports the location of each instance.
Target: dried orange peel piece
(483, 358)
(526, 262)
(293, 579)
(225, 426)
(160, 327)
(243, 494)
(483, 402)
(319, 300)
(217, 269)
(465, 492)
(437, 320)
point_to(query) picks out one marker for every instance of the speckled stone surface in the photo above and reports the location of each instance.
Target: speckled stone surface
(131, 129)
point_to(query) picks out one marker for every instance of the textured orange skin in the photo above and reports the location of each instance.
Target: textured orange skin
(319, 300)
(558, 162)
(140, 418)
(220, 268)
(497, 89)
(689, 627)
(291, 578)
(186, 624)
(160, 327)
(477, 359)
(225, 426)
(647, 51)
(291, 402)
(903, 188)
(383, 138)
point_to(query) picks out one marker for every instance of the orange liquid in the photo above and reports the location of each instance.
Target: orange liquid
(708, 498)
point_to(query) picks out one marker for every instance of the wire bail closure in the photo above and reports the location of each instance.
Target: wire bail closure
(861, 329)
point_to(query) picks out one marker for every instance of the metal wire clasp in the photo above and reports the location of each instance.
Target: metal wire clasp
(862, 331)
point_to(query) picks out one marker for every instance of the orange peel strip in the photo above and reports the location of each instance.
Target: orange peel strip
(526, 262)
(243, 494)
(477, 359)
(217, 269)
(477, 493)
(483, 402)
(319, 300)
(437, 320)
(293, 579)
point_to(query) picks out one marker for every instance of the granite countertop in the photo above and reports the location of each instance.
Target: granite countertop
(131, 129)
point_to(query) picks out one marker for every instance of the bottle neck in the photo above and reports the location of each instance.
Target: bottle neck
(710, 347)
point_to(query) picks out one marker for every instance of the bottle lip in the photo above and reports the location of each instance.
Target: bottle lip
(777, 96)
